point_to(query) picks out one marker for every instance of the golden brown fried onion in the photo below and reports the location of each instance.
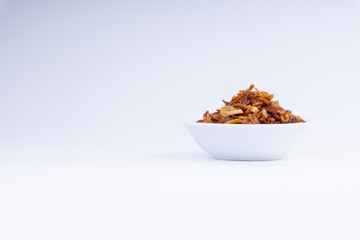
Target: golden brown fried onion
(251, 107)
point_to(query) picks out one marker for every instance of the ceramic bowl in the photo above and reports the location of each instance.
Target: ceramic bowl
(248, 141)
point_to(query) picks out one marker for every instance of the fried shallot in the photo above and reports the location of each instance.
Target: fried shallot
(251, 107)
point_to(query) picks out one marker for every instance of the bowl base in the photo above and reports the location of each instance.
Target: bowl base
(248, 159)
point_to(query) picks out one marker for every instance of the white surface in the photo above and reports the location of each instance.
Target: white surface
(248, 142)
(101, 194)
(92, 98)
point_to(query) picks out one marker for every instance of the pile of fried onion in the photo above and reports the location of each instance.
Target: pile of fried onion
(251, 106)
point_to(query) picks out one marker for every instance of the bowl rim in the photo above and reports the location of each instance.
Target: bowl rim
(222, 125)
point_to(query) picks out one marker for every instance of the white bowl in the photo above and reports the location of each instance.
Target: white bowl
(248, 141)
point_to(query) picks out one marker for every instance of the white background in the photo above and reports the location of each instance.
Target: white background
(92, 99)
